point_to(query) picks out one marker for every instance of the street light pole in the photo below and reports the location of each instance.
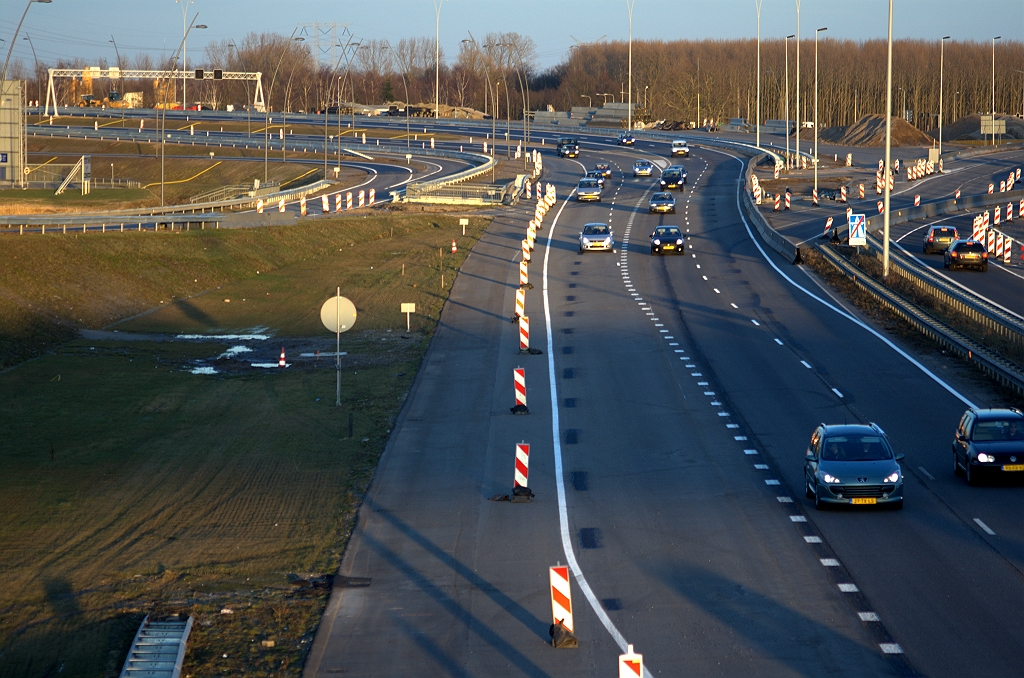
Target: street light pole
(36, 61)
(266, 108)
(184, 50)
(994, 88)
(942, 63)
(888, 150)
(816, 107)
(3, 74)
(629, 107)
(757, 4)
(437, 58)
(789, 161)
(1021, 96)
(799, 123)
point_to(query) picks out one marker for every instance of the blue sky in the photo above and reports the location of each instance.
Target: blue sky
(70, 28)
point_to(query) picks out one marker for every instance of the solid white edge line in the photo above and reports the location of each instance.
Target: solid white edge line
(563, 515)
(855, 321)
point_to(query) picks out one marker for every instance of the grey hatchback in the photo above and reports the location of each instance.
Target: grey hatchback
(852, 464)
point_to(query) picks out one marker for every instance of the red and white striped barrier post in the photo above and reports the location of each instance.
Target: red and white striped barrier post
(302, 205)
(362, 198)
(917, 201)
(455, 248)
(878, 182)
(1016, 175)
(524, 334)
(861, 191)
(776, 171)
(828, 225)
(348, 200)
(881, 207)
(562, 627)
(281, 361)
(520, 485)
(842, 193)
(985, 219)
(1008, 251)
(372, 197)
(337, 202)
(280, 205)
(890, 182)
(526, 250)
(526, 187)
(1020, 212)
(259, 206)
(520, 304)
(1009, 211)
(631, 665)
(996, 215)
(896, 164)
(999, 245)
(991, 188)
(519, 384)
(991, 244)
(778, 202)
(849, 159)
(940, 166)
(814, 196)
(325, 202)
(789, 198)
(976, 228)
(1002, 186)
(956, 196)
(524, 276)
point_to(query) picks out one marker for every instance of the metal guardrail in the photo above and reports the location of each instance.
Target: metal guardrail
(462, 194)
(998, 367)
(158, 649)
(773, 238)
(993, 318)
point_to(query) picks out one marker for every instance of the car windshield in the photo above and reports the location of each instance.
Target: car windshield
(663, 196)
(671, 176)
(665, 231)
(594, 173)
(971, 247)
(944, 232)
(855, 448)
(642, 163)
(595, 229)
(989, 431)
(601, 167)
(589, 183)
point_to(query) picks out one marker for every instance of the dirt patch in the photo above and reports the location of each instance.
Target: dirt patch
(870, 131)
(968, 128)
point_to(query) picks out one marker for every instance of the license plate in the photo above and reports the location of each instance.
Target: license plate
(1013, 467)
(669, 247)
(863, 500)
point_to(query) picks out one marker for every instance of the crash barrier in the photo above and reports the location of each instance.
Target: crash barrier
(974, 307)
(462, 194)
(1000, 369)
(773, 238)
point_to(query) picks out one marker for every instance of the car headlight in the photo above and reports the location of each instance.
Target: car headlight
(829, 478)
(608, 240)
(985, 458)
(679, 241)
(894, 478)
(657, 241)
(586, 241)
(662, 182)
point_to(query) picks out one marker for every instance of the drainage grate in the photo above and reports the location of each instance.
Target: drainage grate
(571, 297)
(570, 402)
(578, 480)
(566, 350)
(611, 604)
(572, 285)
(572, 436)
(569, 314)
(566, 330)
(568, 373)
(574, 272)
(590, 537)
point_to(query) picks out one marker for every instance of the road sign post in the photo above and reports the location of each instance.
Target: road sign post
(338, 315)
(858, 230)
(408, 309)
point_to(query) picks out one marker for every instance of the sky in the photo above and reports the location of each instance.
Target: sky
(83, 28)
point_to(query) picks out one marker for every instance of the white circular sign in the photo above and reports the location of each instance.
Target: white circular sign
(338, 314)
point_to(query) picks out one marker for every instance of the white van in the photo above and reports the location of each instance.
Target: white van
(679, 147)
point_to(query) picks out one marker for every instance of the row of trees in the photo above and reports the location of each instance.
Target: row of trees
(677, 80)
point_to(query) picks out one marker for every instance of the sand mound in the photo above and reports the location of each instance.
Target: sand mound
(969, 128)
(870, 131)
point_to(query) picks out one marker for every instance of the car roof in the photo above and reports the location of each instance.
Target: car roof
(666, 228)
(998, 413)
(595, 223)
(849, 429)
(662, 196)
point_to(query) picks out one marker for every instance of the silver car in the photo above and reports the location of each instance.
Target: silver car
(643, 168)
(852, 464)
(588, 189)
(596, 236)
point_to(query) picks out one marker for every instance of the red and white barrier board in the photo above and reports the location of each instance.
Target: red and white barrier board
(917, 201)
(372, 197)
(325, 202)
(524, 334)
(337, 202)
(631, 664)
(348, 200)
(362, 198)
(561, 597)
(522, 465)
(524, 274)
(520, 302)
(881, 207)
(519, 378)
(302, 205)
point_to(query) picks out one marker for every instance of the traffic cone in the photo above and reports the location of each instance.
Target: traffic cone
(454, 246)
(280, 362)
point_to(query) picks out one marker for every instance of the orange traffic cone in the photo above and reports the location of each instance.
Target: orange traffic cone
(454, 247)
(280, 362)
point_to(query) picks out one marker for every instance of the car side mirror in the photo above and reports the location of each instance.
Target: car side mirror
(900, 457)
(961, 437)
(810, 457)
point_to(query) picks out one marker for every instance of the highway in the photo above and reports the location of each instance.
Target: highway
(671, 392)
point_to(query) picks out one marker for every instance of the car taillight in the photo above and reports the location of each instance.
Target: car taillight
(931, 238)
(952, 254)
(984, 255)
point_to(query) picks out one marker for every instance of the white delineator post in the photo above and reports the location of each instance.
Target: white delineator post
(631, 665)
(519, 385)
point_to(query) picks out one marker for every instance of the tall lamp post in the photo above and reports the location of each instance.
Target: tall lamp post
(816, 107)
(266, 108)
(629, 107)
(994, 88)
(3, 74)
(888, 150)
(119, 78)
(788, 159)
(184, 50)
(437, 58)
(36, 61)
(391, 51)
(1021, 96)
(757, 4)
(799, 123)
(942, 63)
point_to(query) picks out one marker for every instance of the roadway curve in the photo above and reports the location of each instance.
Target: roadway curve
(699, 564)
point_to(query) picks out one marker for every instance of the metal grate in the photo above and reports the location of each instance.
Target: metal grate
(590, 538)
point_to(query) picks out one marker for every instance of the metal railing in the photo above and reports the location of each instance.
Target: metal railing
(461, 194)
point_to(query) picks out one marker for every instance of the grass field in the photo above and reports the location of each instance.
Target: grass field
(131, 486)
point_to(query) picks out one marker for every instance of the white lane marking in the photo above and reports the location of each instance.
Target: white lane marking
(771, 481)
(563, 514)
(848, 588)
(778, 341)
(749, 451)
(739, 438)
(705, 277)
(732, 425)
(891, 648)
(785, 500)
(761, 467)
(733, 305)
(716, 290)
(836, 391)
(696, 374)
(805, 364)
(988, 530)
(715, 403)
(829, 562)
(837, 310)
(709, 393)
(723, 414)
(679, 350)
(925, 473)
(755, 322)
(868, 616)
(800, 519)
(812, 540)
(702, 383)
